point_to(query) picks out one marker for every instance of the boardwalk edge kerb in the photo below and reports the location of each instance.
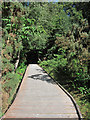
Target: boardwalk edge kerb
(72, 99)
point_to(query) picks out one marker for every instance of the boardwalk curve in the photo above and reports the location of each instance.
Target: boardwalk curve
(40, 97)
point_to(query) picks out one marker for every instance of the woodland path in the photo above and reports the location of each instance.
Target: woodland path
(40, 97)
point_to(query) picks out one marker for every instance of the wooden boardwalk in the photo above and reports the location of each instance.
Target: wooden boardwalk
(40, 97)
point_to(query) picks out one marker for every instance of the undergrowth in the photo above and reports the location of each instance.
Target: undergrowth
(77, 86)
(10, 83)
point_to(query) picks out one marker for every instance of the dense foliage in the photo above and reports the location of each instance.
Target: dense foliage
(58, 31)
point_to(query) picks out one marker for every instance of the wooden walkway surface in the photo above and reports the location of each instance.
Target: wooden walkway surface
(40, 97)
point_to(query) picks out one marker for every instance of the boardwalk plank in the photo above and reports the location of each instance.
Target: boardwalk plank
(40, 97)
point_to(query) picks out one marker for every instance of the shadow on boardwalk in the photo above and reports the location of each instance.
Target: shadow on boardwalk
(42, 77)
